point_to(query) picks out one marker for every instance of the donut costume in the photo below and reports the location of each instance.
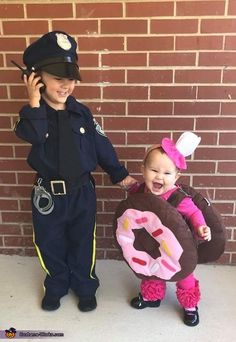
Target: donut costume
(158, 234)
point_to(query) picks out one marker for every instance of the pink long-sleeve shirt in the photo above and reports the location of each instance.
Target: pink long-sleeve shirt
(186, 208)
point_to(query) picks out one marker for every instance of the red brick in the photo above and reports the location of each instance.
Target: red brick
(228, 108)
(129, 152)
(171, 124)
(150, 43)
(216, 153)
(149, 138)
(49, 10)
(232, 7)
(8, 11)
(125, 26)
(227, 167)
(16, 165)
(217, 58)
(175, 26)
(9, 137)
(3, 92)
(26, 178)
(218, 25)
(5, 122)
(10, 107)
(172, 59)
(225, 194)
(75, 26)
(230, 43)
(87, 92)
(196, 108)
(14, 217)
(125, 92)
(217, 92)
(7, 177)
(149, 76)
(25, 205)
(124, 59)
(15, 191)
(104, 76)
(6, 204)
(107, 108)
(197, 76)
(117, 138)
(216, 124)
(22, 151)
(6, 44)
(227, 138)
(18, 241)
(25, 27)
(87, 61)
(200, 8)
(150, 108)
(214, 181)
(100, 43)
(172, 92)
(6, 151)
(199, 43)
(125, 123)
(99, 10)
(149, 9)
(229, 76)
(10, 229)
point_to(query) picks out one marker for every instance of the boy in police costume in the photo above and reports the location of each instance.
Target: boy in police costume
(67, 145)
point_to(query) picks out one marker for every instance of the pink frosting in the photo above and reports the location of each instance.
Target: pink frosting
(169, 147)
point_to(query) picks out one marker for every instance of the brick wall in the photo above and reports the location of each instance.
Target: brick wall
(150, 69)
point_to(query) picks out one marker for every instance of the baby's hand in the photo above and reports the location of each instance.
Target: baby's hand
(33, 85)
(127, 182)
(205, 232)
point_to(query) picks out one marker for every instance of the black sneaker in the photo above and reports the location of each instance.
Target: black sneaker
(140, 303)
(50, 303)
(191, 318)
(87, 303)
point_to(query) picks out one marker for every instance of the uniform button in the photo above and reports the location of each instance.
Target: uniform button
(82, 130)
(46, 135)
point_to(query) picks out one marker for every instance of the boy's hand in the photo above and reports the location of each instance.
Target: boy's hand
(127, 182)
(33, 85)
(205, 232)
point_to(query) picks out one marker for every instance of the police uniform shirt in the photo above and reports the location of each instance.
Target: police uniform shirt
(38, 126)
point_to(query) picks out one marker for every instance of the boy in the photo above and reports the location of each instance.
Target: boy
(67, 145)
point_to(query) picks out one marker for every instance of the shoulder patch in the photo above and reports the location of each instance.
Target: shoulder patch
(99, 128)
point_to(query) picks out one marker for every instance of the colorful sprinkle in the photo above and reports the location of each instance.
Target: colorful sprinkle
(169, 267)
(126, 224)
(141, 220)
(157, 232)
(139, 261)
(166, 248)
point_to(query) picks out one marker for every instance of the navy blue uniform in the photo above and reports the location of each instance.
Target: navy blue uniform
(65, 238)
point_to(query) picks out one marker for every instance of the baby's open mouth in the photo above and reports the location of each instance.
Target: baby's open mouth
(157, 185)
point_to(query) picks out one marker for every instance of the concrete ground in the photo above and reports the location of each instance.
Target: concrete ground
(114, 320)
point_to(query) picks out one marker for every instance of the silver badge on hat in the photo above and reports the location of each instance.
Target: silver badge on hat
(63, 41)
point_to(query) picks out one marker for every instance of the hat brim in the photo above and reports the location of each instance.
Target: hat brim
(64, 70)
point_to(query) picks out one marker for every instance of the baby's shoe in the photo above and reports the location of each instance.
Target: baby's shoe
(140, 303)
(191, 318)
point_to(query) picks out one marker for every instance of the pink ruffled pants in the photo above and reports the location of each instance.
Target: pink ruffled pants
(187, 291)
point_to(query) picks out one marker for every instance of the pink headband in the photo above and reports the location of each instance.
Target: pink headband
(185, 146)
(170, 149)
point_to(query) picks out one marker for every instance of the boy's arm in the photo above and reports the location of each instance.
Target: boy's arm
(32, 125)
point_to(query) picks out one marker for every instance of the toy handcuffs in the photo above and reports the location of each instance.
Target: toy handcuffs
(41, 193)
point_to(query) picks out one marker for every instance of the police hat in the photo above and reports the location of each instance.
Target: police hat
(55, 53)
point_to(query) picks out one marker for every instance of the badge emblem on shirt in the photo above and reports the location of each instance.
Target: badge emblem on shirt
(99, 128)
(63, 41)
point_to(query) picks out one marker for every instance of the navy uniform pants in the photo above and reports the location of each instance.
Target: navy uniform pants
(65, 242)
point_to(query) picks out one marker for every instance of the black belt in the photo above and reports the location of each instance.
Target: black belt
(61, 187)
